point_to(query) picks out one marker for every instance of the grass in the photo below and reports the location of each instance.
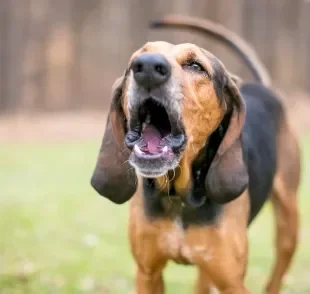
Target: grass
(58, 236)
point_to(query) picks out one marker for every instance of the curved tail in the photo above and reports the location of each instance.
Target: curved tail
(222, 34)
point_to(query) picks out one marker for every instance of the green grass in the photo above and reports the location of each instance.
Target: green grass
(58, 236)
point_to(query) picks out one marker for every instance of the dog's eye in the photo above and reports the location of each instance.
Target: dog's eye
(195, 66)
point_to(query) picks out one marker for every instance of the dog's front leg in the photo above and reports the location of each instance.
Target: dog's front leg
(150, 264)
(149, 257)
(149, 281)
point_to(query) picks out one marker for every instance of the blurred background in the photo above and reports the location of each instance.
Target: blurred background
(58, 61)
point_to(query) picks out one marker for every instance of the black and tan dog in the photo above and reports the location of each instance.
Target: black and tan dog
(198, 152)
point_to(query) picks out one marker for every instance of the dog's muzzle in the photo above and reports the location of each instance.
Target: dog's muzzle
(156, 133)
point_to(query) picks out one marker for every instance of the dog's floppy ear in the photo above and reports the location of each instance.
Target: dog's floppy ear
(113, 177)
(227, 176)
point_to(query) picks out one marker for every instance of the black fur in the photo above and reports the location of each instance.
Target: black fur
(154, 207)
(264, 113)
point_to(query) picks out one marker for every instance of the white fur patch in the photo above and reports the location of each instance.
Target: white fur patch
(199, 248)
(207, 257)
(187, 253)
(172, 240)
(213, 290)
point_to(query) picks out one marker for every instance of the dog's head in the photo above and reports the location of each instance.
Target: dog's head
(176, 105)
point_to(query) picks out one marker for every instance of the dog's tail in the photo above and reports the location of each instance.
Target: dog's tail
(222, 34)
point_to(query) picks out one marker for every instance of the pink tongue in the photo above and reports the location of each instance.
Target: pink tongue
(152, 137)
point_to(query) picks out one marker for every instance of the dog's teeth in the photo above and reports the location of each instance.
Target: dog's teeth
(146, 122)
(137, 149)
(148, 119)
(165, 149)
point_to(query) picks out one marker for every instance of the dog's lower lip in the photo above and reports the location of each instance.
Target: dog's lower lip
(151, 174)
(164, 152)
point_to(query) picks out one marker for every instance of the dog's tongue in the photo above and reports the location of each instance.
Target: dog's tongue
(152, 137)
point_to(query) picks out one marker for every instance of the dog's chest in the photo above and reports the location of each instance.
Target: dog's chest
(186, 246)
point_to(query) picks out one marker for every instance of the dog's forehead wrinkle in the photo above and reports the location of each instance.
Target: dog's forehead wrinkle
(180, 51)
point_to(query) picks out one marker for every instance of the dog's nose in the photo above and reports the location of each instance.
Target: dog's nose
(151, 70)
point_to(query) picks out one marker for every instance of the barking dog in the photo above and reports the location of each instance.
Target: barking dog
(198, 152)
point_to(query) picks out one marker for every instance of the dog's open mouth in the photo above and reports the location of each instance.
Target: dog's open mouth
(155, 127)
(155, 136)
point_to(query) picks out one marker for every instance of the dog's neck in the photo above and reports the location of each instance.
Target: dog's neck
(158, 204)
(162, 199)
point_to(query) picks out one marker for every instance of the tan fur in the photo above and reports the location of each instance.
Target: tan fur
(219, 252)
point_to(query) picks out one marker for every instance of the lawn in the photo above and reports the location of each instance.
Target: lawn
(58, 236)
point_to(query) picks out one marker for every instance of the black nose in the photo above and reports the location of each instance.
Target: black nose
(151, 70)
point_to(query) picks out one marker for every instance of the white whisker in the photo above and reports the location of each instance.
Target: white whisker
(173, 175)
(126, 161)
(130, 169)
(168, 187)
(180, 168)
(124, 150)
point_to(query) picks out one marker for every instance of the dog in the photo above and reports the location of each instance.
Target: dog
(198, 152)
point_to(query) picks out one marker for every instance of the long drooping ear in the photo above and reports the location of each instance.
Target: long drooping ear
(227, 176)
(113, 177)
